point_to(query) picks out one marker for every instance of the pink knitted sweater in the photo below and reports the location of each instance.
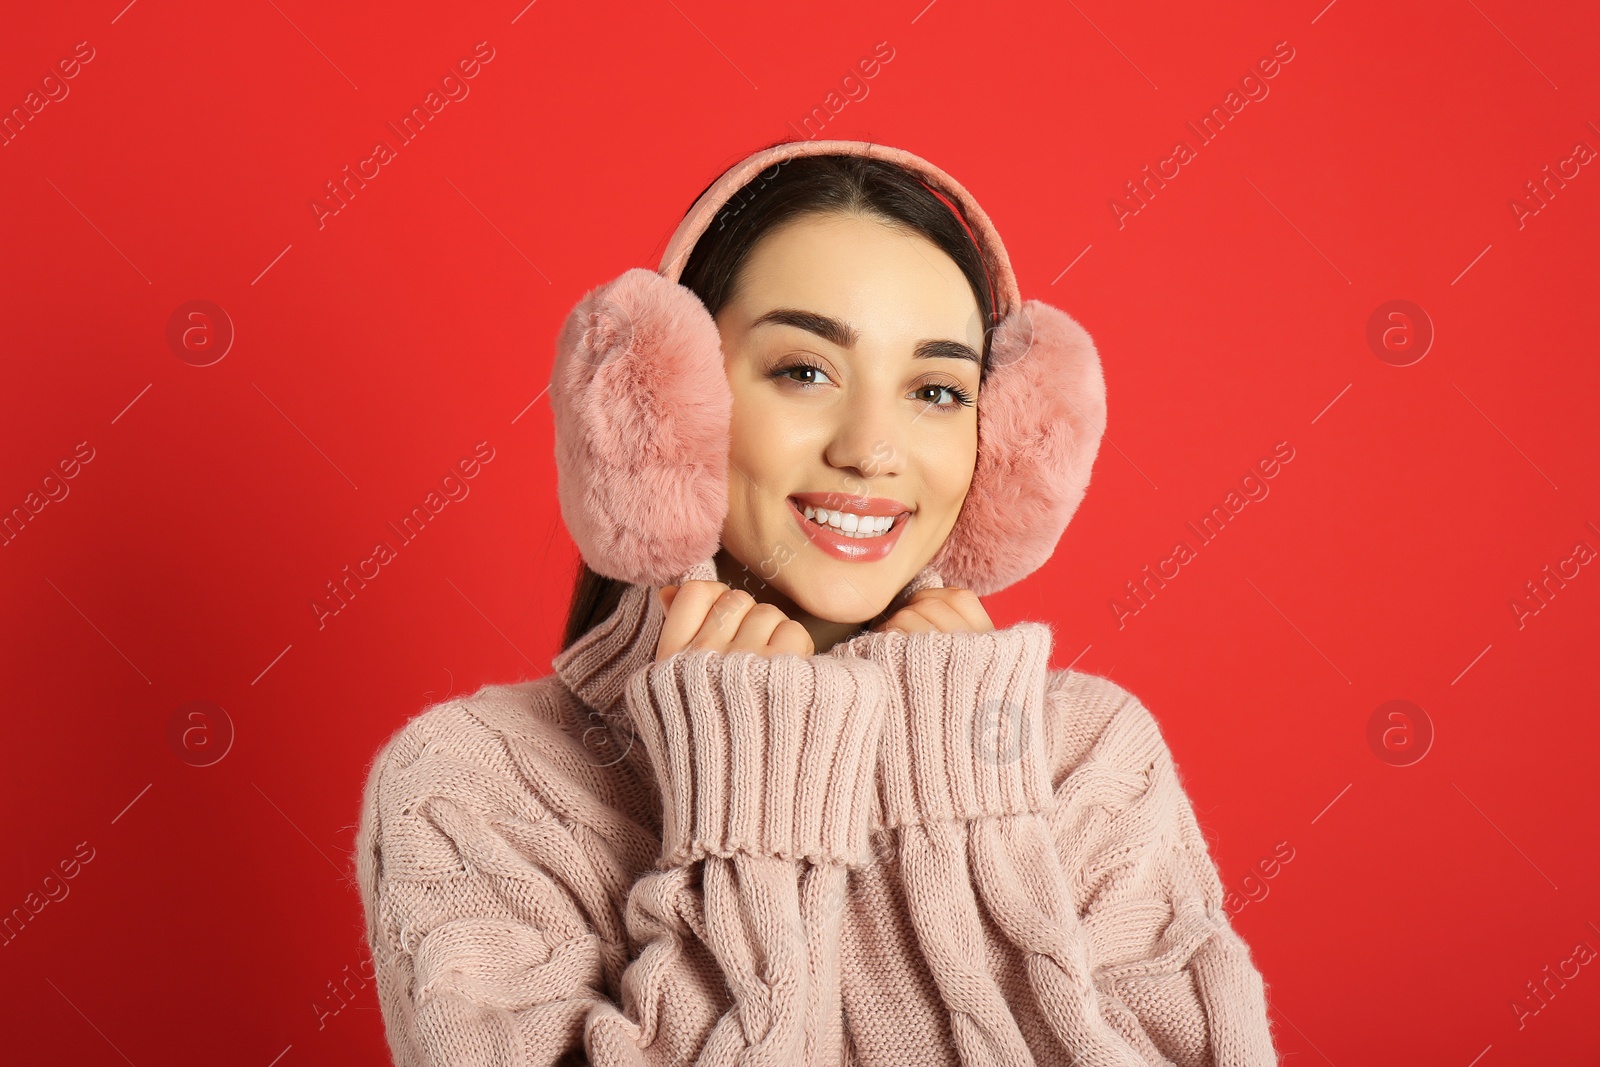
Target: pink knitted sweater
(912, 850)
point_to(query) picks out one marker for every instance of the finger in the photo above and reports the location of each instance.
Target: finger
(944, 618)
(909, 621)
(666, 594)
(964, 601)
(756, 628)
(914, 619)
(690, 604)
(722, 621)
(790, 636)
(892, 623)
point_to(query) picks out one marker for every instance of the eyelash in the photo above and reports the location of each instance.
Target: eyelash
(962, 397)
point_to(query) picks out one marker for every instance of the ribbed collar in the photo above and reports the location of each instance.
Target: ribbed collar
(597, 666)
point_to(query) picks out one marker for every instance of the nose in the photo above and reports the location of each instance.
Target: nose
(868, 439)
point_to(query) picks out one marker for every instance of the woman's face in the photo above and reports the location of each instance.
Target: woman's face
(852, 352)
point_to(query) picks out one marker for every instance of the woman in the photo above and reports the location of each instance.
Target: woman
(788, 796)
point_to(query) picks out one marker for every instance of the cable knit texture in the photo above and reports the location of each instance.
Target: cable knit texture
(915, 849)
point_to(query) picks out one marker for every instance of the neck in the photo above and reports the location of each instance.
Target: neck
(825, 633)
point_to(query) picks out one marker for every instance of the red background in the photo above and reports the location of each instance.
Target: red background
(373, 353)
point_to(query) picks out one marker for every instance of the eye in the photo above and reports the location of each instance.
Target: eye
(931, 392)
(802, 367)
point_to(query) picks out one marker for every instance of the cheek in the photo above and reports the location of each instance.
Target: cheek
(947, 466)
(756, 442)
(746, 527)
(761, 462)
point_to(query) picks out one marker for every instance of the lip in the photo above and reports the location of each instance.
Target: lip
(851, 549)
(855, 505)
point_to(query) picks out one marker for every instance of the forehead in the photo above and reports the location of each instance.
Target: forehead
(887, 281)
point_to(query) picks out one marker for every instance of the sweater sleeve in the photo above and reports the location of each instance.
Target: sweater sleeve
(766, 767)
(506, 945)
(1020, 796)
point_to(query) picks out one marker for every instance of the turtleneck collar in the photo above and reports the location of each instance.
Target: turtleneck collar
(596, 666)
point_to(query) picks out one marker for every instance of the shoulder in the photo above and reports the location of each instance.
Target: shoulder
(1087, 716)
(485, 808)
(1119, 796)
(506, 755)
(1106, 748)
(483, 730)
(1125, 829)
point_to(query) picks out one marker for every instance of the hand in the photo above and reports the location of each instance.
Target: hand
(711, 615)
(945, 610)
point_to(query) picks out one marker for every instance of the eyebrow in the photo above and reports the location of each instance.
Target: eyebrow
(844, 335)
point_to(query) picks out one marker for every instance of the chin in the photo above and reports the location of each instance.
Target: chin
(829, 595)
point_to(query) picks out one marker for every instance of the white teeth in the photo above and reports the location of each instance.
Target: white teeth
(849, 524)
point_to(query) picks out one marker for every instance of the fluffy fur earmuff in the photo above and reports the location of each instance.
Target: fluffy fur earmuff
(642, 413)
(642, 409)
(1041, 414)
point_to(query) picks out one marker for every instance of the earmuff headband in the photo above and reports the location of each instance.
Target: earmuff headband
(714, 199)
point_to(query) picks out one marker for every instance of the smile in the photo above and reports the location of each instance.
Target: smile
(854, 530)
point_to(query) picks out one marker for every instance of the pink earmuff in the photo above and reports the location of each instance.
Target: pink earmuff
(642, 409)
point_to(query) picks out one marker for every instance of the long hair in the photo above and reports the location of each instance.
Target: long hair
(803, 185)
